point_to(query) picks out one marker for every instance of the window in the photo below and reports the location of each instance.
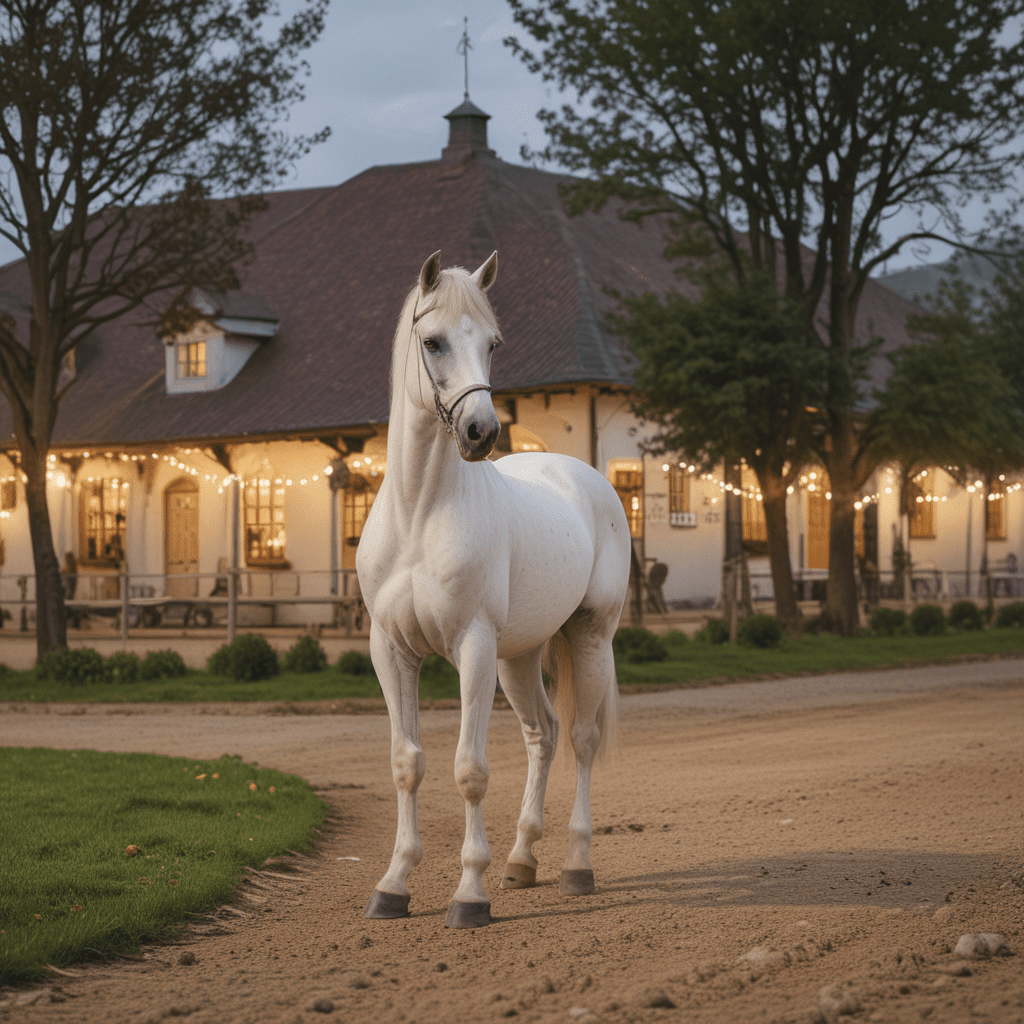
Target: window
(104, 504)
(357, 500)
(627, 476)
(679, 512)
(995, 512)
(921, 505)
(755, 529)
(264, 521)
(191, 359)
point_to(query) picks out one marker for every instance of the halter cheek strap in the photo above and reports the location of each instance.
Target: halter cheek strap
(445, 413)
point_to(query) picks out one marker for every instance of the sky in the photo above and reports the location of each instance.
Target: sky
(385, 72)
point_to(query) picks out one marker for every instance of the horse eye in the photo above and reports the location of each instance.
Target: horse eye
(431, 344)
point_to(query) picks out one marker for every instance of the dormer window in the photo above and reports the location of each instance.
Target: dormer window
(209, 355)
(191, 359)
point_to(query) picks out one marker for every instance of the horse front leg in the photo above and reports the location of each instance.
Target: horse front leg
(398, 672)
(478, 668)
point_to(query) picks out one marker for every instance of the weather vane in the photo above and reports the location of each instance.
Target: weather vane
(464, 47)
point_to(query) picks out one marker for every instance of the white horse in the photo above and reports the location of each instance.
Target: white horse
(483, 563)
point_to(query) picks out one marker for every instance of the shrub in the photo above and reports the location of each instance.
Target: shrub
(306, 655)
(250, 657)
(1011, 615)
(674, 636)
(122, 667)
(888, 621)
(219, 663)
(928, 620)
(966, 615)
(715, 632)
(760, 631)
(75, 665)
(436, 672)
(634, 646)
(162, 665)
(352, 663)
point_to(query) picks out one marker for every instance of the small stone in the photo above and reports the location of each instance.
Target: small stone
(583, 1014)
(440, 967)
(838, 1001)
(656, 999)
(322, 1005)
(977, 945)
(761, 957)
(187, 959)
(358, 981)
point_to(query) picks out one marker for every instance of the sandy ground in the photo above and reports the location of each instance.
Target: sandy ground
(802, 850)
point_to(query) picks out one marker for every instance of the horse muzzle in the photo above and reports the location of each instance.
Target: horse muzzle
(476, 427)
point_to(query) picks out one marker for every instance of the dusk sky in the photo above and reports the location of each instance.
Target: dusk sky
(385, 72)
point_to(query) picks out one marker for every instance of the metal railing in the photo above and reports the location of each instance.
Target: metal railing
(189, 600)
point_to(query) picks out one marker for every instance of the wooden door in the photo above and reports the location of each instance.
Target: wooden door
(181, 537)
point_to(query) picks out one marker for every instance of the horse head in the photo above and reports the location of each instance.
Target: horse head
(455, 331)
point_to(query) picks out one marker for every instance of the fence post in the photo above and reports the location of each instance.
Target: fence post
(124, 607)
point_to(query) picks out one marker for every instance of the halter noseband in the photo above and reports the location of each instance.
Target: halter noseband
(445, 413)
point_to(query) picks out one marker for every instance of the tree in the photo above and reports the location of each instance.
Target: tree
(727, 377)
(123, 122)
(949, 402)
(772, 123)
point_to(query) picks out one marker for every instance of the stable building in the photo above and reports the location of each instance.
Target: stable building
(174, 462)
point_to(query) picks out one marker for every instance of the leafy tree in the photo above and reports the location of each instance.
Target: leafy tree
(951, 400)
(730, 376)
(771, 123)
(122, 121)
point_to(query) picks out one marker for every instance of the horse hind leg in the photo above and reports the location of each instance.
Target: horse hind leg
(522, 684)
(594, 721)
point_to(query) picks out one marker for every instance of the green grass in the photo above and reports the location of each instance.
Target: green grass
(698, 664)
(68, 888)
(689, 664)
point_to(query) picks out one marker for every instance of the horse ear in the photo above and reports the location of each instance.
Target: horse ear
(486, 273)
(431, 273)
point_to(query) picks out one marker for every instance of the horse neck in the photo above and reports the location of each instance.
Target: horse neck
(423, 460)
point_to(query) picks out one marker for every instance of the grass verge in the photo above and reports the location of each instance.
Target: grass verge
(698, 664)
(70, 887)
(690, 663)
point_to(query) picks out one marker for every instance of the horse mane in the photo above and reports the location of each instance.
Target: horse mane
(456, 294)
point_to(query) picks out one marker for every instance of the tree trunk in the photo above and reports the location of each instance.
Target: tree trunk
(51, 618)
(733, 553)
(787, 611)
(842, 578)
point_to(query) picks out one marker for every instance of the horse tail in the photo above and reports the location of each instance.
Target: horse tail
(558, 662)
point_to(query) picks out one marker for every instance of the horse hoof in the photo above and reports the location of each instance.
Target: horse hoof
(467, 915)
(579, 882)
(385, 906)
(519, 876)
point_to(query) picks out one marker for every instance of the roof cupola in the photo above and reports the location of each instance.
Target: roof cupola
(467, 132)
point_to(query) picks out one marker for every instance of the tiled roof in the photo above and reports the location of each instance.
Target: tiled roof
(333, 266)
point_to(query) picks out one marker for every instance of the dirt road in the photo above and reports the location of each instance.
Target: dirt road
(795, 851)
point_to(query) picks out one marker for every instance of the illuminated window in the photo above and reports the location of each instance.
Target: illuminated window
(191, 359)
(627, 477)
(678, 489)
(921, 504)
(357, 500)
(264, 519)
(104, 505)
(755, 529)
(995, 512)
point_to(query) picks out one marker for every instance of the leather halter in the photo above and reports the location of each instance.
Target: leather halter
(445, 413)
